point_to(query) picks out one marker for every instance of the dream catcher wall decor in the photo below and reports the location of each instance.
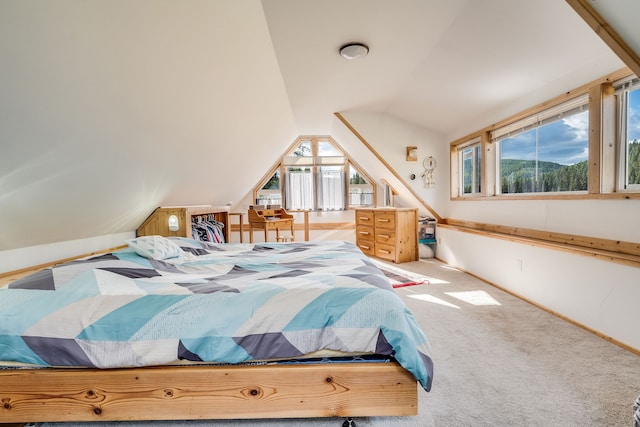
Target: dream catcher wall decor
(429, 165)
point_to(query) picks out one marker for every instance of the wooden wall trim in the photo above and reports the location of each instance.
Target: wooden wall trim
(13, 275)
(627, 253)
(388, 166)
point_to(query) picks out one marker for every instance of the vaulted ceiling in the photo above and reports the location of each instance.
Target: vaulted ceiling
(442, 65)
(111, 108)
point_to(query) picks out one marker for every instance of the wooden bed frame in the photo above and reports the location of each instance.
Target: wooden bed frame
(189, 392)
(207, 392)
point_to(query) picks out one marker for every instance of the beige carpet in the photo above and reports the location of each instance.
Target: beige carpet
(498, 362)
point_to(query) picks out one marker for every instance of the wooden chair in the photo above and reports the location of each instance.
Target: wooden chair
(270, 219)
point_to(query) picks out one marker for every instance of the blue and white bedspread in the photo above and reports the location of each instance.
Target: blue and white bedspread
(228, 303)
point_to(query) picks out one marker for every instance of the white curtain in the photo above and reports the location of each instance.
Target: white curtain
(299, 190)
(331, 189)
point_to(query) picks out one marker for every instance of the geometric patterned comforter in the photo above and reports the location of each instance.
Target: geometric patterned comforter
(227, 303)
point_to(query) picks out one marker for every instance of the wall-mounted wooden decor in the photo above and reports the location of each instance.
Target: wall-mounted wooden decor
(412, 153)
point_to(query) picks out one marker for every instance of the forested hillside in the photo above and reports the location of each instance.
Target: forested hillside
(519, 176)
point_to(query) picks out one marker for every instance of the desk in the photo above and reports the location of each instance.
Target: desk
(269, 219)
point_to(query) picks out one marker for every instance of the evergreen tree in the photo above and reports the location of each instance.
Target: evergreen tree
(519, 176)
(273, 183)
(357, 179)
(633, 162)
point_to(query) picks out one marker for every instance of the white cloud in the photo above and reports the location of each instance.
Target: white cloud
(579, 124)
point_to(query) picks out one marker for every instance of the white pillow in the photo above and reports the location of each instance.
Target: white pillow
(155, 247)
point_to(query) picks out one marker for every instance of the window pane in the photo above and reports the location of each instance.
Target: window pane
(548, 158)
(270, 193)
(471, 169)
(633, 138)
(326, 148)
(517, 162)
(303, 149)
(360, 191)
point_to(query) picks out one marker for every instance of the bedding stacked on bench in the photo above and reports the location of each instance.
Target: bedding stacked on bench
(166, 300)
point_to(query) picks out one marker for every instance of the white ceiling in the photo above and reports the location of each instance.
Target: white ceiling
(111, 108)
(440, 64)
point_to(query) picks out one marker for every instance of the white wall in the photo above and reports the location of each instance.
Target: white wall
(600, 295)
(389, 137)
(607, 219)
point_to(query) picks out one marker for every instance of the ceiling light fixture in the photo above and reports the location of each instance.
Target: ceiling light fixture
(354, 50)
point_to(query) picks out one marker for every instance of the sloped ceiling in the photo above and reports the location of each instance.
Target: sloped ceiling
(111, 108)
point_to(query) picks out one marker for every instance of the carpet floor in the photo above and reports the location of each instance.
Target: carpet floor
(499, 361)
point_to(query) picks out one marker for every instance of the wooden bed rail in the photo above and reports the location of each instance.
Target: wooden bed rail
(207, 392)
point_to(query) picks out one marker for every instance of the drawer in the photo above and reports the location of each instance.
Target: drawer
(385, 220)
(366, 246)
(386, 236)
(364, 232)
(364, 218)
(386, 252)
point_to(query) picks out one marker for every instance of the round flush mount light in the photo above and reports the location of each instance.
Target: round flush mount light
(354, 50)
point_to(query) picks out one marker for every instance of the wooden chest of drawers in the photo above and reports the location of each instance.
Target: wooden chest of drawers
(388, 233)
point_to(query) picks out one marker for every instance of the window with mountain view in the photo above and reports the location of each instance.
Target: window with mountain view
(545, 153)
(471, 165)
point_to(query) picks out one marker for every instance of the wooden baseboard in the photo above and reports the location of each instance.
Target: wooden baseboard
(10, 276)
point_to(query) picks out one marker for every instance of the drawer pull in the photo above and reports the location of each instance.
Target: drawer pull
(363, 218)
(366, 233)
(365, 247)
(384, 236)
(384, 220)
(384, 251)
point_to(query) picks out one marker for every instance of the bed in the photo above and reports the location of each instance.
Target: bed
(173, 328)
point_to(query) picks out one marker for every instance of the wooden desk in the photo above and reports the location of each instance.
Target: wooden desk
(269, 219)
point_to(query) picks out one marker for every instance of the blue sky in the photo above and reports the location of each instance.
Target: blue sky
(565, 141)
